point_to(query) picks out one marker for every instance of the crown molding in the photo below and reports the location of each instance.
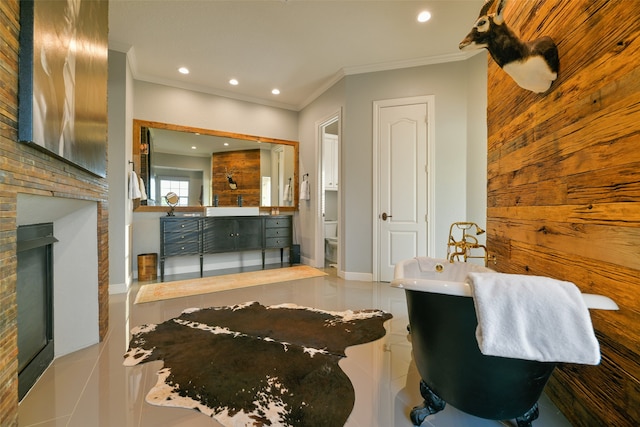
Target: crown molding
(346, 71)
(409, 63)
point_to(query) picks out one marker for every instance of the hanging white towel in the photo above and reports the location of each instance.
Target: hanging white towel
(134, 186)
(287, 193)
(143, 190)
(305, 191)
(533, 318)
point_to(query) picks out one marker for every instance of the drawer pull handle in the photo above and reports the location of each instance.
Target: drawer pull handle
(181, 225)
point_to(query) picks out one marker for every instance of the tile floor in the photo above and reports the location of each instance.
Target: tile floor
(91, 387)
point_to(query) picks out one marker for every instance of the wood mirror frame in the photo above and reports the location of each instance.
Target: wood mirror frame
(138, 125)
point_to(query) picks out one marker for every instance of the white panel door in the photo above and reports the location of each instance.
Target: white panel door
(402, 186)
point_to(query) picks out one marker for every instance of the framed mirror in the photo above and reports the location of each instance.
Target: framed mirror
(213, 168)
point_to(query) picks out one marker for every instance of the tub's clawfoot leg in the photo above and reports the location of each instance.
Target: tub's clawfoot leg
(432, 404)
(528, 417)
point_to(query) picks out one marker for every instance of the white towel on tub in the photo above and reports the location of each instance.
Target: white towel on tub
(533, 318)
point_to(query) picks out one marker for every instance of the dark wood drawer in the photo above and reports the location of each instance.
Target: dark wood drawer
(277, 222)
(181, 226)
(187, 237)
(277, 242)
(186, 248)
(277, 232)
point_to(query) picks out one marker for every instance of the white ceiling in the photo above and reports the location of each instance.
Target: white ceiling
(301, 47)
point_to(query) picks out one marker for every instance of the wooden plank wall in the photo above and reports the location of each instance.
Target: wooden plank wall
(564, 187)
(246, 167)
(26, 170)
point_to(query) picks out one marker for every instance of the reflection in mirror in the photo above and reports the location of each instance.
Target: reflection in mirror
(215, 168)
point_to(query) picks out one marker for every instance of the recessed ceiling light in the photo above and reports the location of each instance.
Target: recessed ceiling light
(193, 147)
(424, 16)
(183, 70)
(233, 82)
(276, 91)
(226, 144)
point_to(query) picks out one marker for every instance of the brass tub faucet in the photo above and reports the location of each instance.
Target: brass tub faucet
(464, 248)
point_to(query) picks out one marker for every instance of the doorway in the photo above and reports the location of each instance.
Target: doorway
(403, 158)
(329, 218)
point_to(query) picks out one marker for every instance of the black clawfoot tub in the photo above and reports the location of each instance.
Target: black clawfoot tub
(443, 323)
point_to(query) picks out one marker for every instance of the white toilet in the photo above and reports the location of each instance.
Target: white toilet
(331, 241)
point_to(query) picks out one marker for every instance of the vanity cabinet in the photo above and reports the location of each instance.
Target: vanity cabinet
(210, 235)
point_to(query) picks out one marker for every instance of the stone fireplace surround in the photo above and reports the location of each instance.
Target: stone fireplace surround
(75, 265)
(26, 170)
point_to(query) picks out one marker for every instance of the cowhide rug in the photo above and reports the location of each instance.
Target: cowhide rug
(251, 365)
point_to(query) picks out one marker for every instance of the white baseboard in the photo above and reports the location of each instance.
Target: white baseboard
(308, 261)
(118, 288)
(362, 277)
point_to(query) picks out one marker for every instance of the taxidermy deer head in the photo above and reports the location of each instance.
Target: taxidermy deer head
(232, 184)
(533, 65)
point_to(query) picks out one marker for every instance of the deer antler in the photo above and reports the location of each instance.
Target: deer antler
(232, 184)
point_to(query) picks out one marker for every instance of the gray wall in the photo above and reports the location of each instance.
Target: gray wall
(188, 108)
(120, 115)
(477, 141)
(460, 108)
(330, 102)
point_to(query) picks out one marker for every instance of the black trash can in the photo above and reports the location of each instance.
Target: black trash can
(295, 254)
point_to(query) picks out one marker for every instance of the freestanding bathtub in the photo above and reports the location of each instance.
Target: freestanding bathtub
(443, 322)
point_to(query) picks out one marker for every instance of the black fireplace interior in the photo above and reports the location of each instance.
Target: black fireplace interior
(35, 303)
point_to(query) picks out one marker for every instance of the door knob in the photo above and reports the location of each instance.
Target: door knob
(385, 216)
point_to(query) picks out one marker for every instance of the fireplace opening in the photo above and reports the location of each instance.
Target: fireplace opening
(34, 295)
